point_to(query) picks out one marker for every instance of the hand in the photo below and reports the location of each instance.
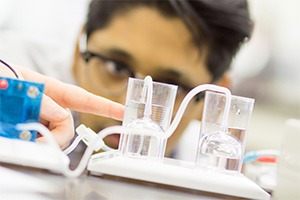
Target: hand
(59, 97)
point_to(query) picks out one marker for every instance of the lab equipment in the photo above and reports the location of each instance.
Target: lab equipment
(149, 105)
(259, 154)
(261, 166)
(176, 172)
(223, 151)
(115, 162)
(20, 102)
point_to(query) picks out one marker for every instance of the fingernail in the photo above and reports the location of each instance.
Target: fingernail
(60, 113)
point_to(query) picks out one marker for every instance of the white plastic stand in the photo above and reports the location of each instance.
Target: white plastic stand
(175, 173)
(31, 154)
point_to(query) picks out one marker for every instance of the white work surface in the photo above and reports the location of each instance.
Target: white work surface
(176, 173)
(32, 183)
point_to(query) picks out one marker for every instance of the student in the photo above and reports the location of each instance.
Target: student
(58, 98)
(186, 43)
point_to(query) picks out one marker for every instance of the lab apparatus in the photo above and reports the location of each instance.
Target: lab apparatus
(171, 171)
(149, 105)
(20, 102)
(145, 130)
(215, 150)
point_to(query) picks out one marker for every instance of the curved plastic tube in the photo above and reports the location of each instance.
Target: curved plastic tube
(189, 97)
(73, 145)
(102, 134)
(124, 130)
(89, 150)
(48, 136)
(149, 87)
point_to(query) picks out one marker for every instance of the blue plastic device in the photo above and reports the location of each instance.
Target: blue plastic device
(20, 102)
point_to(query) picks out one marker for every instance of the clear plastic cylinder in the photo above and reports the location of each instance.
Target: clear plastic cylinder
(162, 104)
(223, 147)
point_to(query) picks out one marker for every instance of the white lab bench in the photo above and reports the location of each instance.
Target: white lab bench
(42, 184)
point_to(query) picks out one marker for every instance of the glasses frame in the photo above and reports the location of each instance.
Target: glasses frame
(87, 55)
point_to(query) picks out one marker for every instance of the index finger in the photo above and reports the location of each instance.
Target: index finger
(74, 97)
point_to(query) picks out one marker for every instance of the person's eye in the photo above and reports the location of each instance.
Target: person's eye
(182, 90)
(118, 69)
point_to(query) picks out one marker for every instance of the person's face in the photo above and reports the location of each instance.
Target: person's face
(147, 43)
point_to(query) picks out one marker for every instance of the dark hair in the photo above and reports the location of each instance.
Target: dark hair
(219, 25)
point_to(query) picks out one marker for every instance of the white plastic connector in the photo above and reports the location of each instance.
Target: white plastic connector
(87, 135)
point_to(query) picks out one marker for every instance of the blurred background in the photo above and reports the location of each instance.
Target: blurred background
(268, 69)
(41, 34)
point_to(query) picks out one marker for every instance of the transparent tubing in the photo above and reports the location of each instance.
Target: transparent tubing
(189, 97)
(48, 136)
(120, 129)
(73, 145)
(78, 139)
(148, 87)
(89, 150)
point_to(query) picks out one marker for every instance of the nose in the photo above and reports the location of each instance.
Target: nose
(140, 75)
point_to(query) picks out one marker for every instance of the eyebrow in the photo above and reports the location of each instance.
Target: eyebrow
(120, 53)
(127, 56)
(170, 72)
(183, 79)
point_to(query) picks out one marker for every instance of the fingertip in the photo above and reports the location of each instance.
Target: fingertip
(60, 113)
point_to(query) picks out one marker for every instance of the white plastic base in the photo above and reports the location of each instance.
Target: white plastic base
(31, 154)
(175, 173)
(13, 182)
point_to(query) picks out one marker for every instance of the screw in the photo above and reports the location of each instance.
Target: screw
(32, 91)
(25, 135)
